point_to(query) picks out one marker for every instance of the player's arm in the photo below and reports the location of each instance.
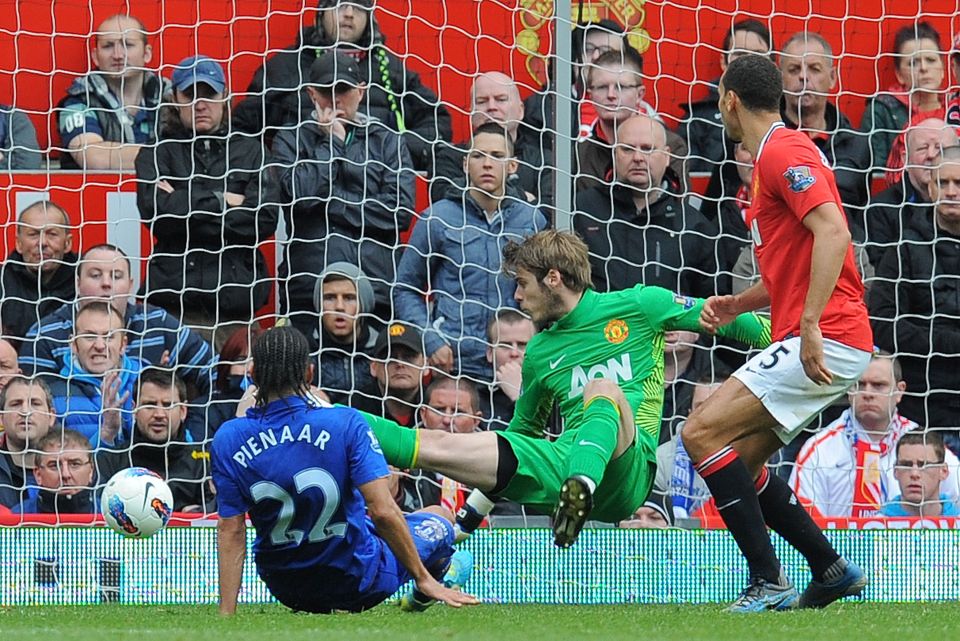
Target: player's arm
(231, 553)
(831, 240)
(718, 311)
(392, 527)
(672, 312)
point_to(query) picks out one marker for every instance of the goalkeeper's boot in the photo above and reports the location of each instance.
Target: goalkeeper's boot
(457, 575)
(762, 595)
(573, 508)
(850, 582)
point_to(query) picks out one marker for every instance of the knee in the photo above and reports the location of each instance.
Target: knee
(694, 436)
(604, 387)
(442, 512)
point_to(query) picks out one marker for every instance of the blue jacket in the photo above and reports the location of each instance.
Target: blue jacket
(151, 331)
(895, 507)
(454, 257)
(79, 404)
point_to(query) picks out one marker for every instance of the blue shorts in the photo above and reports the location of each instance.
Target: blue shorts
(321, 589)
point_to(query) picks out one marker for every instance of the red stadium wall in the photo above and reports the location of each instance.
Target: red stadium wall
(444, 40)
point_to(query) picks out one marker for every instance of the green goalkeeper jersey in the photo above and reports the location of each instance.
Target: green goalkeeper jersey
(618, 336)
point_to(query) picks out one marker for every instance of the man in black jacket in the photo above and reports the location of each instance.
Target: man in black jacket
(915, 302)
(200, 196)
(26, 416)
(395, 96)
(809, 76)
(347, 188)
(161, 445)
(702, 129)
(639, 230)
(906, 204)
(40, 274)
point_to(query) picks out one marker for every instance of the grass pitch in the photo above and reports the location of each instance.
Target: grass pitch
(843, 622)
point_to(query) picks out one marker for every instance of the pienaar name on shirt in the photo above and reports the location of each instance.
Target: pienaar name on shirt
(270, 437)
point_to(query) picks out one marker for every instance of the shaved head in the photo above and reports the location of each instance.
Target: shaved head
(495, 98)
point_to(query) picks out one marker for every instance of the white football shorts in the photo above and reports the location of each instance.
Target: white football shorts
(776, 377)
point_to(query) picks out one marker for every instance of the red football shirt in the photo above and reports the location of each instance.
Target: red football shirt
(791, 177)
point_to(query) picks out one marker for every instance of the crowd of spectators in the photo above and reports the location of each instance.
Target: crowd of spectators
(99, 373)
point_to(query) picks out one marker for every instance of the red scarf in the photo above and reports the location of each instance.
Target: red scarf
(867, 488)
(868, 495)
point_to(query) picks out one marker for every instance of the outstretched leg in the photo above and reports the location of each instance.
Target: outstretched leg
(471, 459)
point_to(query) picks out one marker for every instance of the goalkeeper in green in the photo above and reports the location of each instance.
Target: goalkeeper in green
(600, 358)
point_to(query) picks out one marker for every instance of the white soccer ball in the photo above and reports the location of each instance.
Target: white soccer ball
(136, 502)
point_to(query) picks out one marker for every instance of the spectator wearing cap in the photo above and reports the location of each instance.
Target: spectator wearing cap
(343, 337)
(109, 113)
(346, 187)
(395, 96)
(398, 370)
(199, 194)
(454, 258)
(654, 514)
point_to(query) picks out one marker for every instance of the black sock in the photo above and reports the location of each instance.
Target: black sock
(785, 516)
(736, 497)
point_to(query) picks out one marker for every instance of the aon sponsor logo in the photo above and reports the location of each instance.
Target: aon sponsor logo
(617, 369)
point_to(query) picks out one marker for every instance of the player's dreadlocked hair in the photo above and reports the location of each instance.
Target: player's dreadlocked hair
(281, 356)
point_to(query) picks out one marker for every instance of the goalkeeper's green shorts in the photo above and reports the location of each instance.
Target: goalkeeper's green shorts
(542, 468)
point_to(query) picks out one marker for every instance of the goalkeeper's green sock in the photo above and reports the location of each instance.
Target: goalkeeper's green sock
(596, 440)
(400, 444)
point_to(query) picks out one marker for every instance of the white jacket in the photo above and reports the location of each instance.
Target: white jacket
(825, 470)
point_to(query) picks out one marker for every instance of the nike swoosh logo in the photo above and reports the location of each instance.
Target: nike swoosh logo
(591, 444)
(726, 505)
(553, 364)
(146, 493)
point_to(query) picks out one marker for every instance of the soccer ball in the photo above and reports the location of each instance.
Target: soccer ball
(136, 502)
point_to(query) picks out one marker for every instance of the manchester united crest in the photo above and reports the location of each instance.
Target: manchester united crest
(616, 331)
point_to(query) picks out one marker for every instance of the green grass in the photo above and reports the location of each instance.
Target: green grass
(844, 622)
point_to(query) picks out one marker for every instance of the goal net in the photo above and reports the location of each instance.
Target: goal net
(223, 166)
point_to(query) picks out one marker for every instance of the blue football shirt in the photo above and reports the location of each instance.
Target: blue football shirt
(295, 469)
